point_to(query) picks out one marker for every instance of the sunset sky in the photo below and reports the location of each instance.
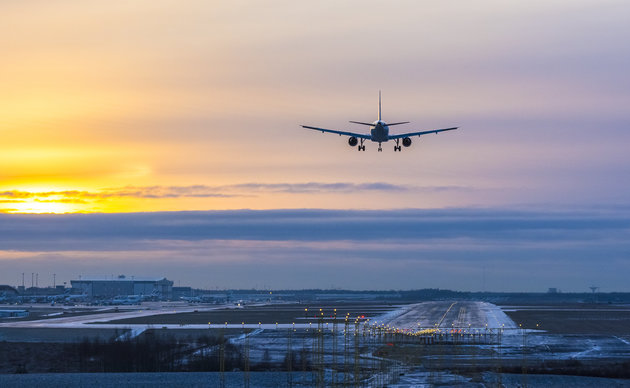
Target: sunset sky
(154, 106)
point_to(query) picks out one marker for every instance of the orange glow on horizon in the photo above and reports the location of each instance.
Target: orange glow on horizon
(36, 207)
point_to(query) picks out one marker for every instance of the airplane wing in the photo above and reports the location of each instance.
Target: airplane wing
(409, 134)
(359, 135)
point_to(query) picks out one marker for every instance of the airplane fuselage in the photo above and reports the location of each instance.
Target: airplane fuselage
(379, 132)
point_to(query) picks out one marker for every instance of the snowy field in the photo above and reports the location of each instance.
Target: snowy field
(425, 366)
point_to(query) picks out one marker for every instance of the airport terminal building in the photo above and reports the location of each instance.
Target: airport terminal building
(123, 285)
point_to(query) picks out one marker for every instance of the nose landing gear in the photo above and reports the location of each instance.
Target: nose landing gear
(379, 147)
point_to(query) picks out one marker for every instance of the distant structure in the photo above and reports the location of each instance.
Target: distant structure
(594, 289)
(179, 292)
(7, 290)
(58, 290)
(123, 285)
(553, 290)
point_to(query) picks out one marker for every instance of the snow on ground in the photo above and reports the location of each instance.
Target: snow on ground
(133, 333)
(391, 315)
(448, 314)
(495, 317)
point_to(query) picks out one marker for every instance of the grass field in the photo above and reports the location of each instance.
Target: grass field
(18, 334)
(265, 314)
(575, 319)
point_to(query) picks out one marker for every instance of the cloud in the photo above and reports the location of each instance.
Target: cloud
(97, 230)
(62, 200)
(316, 187)
(407, 248)
(205, 191)
(241, 189)
(17, 194)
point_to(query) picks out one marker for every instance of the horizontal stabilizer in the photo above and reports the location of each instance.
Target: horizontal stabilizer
(402, 122)
(359, 122)
(357, 135)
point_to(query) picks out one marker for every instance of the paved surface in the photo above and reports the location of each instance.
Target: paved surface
(440, 314)
(447, 315)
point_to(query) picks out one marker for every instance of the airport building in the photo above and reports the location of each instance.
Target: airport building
(179, 292)
(7, 290)
(123, 285)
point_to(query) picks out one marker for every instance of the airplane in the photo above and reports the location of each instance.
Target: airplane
(127, 299)
(379, 132)
(191, 299)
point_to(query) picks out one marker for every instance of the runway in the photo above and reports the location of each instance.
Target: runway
(441, 315)
(448, 315)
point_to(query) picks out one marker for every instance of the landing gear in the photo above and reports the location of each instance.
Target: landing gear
(379, 147)
(397, 146)
(361, 147)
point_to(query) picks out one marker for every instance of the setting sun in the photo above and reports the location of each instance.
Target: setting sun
(40, 207)
(40, 200)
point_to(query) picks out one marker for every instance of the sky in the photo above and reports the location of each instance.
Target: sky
(119, 109)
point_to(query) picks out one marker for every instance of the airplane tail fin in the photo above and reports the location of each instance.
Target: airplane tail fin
(379, 105)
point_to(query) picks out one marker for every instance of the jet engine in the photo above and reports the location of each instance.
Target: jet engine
(352, 141)
(406, 141)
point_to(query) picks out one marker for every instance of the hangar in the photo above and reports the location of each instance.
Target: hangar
(123, 285)
(7, 290)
